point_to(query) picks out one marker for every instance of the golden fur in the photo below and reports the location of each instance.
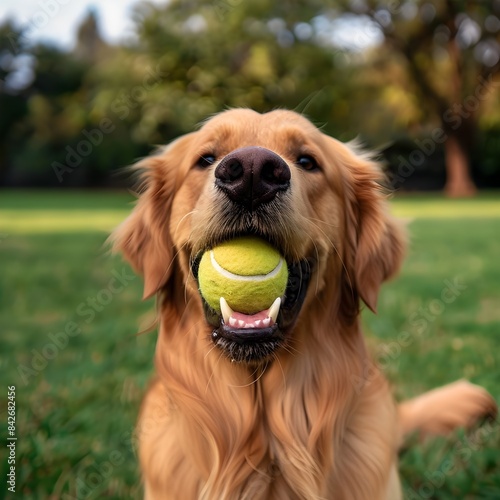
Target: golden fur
(317, 420)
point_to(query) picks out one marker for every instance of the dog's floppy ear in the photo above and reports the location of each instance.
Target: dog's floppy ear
(144, 237)
(375, 240)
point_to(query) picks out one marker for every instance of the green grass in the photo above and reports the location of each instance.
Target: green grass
(75, 416)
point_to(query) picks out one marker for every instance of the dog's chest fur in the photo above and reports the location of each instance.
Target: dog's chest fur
(263, 457)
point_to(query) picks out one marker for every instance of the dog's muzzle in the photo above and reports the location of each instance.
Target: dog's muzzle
(249, 344)
(253, 183)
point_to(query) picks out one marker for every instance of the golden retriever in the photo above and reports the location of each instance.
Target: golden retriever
(296, 410)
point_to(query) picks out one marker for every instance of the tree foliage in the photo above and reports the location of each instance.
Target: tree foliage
(451, 52)
(380, 70)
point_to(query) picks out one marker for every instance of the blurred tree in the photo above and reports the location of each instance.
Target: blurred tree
(71, 117)
(451, 51)
(13, 107)
(89, 43)
(52, 133)
(228, 53)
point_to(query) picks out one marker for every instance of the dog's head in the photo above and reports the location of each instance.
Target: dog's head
(275, 176)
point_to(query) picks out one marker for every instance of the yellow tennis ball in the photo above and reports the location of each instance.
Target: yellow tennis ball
(248, 272)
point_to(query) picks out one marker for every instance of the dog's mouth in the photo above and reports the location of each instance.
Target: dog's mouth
(253, 338)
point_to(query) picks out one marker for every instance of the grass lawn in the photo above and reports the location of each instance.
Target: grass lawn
(80, 370)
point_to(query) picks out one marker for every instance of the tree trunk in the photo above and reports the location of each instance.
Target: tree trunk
(459, 183)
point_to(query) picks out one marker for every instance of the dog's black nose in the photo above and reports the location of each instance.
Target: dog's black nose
(252, 176)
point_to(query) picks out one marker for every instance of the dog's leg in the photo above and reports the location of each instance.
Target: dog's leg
(441, 410)
(394, 490)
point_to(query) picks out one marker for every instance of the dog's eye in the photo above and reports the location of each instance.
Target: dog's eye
(307, 162)
(205, 161)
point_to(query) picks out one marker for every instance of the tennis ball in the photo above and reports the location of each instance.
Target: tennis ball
(247, 271)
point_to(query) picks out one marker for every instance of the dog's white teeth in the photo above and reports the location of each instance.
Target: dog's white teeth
(226, 311)
(229, 319)
(274, 310)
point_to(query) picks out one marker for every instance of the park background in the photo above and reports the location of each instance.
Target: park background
(417, 81)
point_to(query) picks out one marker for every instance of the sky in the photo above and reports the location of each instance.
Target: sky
(57, 20)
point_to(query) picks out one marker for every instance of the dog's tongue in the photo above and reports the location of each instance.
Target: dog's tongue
(258, 320)
(262, 319)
